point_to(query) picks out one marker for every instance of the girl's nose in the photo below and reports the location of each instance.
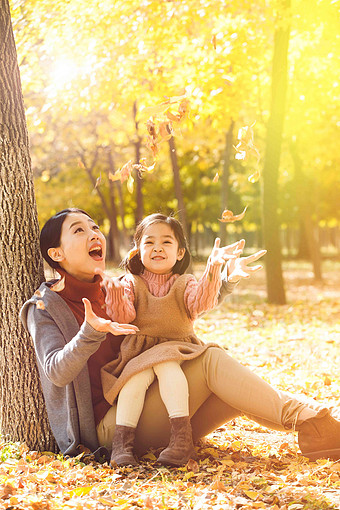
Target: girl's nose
(157, 248)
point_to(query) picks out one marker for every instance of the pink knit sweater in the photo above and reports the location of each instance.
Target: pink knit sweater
(200, 295)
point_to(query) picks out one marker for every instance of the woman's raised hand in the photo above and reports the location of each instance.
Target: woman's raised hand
(238, 268)
(107, 326)
(219, 255)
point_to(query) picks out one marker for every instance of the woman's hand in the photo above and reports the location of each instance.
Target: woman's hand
(107, 326)
(238, 268)
(219, 255)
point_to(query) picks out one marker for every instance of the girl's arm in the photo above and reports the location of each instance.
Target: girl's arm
(120, 299)
(202, 295)
(59, 361)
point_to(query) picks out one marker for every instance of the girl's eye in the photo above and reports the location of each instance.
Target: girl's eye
(95, 227)
(79, 229)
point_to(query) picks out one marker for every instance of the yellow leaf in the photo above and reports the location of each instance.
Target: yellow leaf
(40, 304)
(149, 455)
(254, 177)
(80, 491)
(130, 183)
(252, 494)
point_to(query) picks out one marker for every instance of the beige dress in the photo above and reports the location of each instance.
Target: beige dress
(165, 334)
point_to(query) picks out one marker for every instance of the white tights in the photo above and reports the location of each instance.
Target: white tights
(173, 388)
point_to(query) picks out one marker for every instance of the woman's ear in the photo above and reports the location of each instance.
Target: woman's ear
(181, 253)
(56, 254)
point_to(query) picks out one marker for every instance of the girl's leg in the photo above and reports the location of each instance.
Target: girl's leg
(131, 398)
(129, 407)
(173, 388)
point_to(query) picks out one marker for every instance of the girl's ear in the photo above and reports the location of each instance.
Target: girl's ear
(181, 253)
(56, 254)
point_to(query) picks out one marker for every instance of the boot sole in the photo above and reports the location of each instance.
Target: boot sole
(323, 454)
(177, 463)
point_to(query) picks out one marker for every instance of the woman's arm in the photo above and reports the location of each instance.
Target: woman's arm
(61, 361)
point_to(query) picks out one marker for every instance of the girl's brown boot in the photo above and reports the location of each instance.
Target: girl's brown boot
(181, 447)
(319, 437)
(122, 446)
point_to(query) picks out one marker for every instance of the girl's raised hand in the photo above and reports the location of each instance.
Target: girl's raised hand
(219, 255)
(107, 326)
(239, 269)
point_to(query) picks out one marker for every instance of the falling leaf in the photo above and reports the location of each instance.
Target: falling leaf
(229, 217)
(130, 182)
(80, 163)
(254, 177)
(37, 293)
(40, 304)
(59, 285)
(213, 41)
(98, 181)
(215, 179)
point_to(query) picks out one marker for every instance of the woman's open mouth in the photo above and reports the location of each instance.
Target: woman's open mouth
(96, 252)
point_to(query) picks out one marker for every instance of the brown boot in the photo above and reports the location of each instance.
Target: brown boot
(122, 446)
(181, 447)
(319, 437)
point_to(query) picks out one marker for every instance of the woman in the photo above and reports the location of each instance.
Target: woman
(74, 338)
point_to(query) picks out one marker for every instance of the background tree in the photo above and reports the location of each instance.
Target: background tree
(22, 410)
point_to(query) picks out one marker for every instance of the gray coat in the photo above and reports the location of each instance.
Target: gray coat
(62, 351)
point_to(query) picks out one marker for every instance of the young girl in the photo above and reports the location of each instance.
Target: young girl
(163, 303)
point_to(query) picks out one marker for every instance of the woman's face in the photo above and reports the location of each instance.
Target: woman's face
(82, 247)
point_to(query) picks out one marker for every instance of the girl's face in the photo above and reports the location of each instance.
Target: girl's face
(159, 250)
(82, 247)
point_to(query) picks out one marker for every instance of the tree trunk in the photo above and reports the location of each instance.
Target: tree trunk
(22, 413)
(225, 179)
(178, 187)
(275, 286)
(307, 224)
(139, 181)
(109, 208)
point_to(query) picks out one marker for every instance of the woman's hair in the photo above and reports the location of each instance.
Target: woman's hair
(134, 264)
(51, 232)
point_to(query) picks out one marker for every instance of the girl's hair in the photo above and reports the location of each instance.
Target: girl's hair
(134, 263)
(51, 232)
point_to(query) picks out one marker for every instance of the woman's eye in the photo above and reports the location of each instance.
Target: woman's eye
(79, 229)
(95, 227)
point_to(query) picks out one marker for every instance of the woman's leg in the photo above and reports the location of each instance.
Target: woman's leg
(241, 389)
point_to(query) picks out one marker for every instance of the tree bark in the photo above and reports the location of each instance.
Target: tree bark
(275, 285)
(22, 412)
(225, 179)
(305, 212)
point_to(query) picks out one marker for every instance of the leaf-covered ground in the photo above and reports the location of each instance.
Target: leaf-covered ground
(242, 465)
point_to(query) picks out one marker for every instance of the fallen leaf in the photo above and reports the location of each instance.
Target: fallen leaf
(40, 304)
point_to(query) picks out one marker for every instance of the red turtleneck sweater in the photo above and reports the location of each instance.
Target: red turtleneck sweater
(72, 294)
